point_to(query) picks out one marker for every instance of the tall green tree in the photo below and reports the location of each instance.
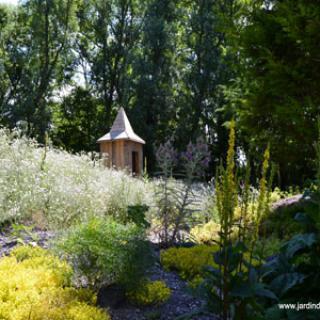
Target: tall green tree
(153, 107)
(39, 52)
(9, 70)
(78, 121)
(205, 71)
(108, 33)
(277, 91)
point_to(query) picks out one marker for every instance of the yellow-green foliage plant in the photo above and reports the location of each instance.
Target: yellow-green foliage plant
(150, 293)
(229, 285)
(188, 262)
(35, 285)
(226, 190)
(206, 233)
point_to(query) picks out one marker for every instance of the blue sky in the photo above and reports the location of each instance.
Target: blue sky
(9, 1)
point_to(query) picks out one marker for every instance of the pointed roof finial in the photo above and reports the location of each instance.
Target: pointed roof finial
(121, 129)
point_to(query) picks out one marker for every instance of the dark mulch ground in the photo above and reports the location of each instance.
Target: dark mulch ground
(10, 238)
(181, 302)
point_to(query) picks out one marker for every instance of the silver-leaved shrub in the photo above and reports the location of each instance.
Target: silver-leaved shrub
(58, 188)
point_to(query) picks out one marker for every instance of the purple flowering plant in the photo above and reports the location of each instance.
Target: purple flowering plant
(175, 199)
(167, 158)
(194, 160)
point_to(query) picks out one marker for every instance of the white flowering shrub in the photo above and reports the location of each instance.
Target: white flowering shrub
(60, 187)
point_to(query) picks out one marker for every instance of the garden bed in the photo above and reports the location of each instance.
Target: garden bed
(181, 301)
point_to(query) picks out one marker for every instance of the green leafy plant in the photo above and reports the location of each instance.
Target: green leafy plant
(21, 230)
(106, 252)
(293, 274)
(137, 215)
(267, 247)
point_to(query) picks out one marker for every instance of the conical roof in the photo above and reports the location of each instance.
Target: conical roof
(121, 130)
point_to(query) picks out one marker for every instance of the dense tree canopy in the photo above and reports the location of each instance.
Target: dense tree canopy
(36, 60)
(181, 69)
(279, 84)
